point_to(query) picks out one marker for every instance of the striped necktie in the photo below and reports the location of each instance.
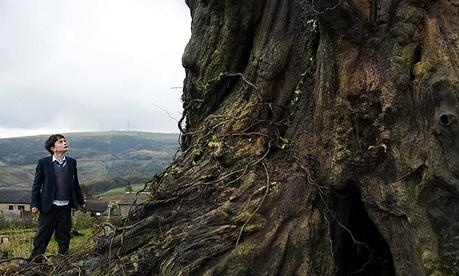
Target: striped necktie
(60, 164)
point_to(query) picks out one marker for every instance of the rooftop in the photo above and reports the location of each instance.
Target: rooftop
(15, 195)
(96, 205)
(128, 198)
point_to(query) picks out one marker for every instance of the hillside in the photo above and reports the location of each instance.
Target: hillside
(101, 156)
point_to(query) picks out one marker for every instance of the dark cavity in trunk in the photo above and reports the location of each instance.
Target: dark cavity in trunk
(359, 247)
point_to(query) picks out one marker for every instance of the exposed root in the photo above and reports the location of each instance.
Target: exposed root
(259, 205)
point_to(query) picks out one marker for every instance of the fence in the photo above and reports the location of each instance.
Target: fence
(17, 219)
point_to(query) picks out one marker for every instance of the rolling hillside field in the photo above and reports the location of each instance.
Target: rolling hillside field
(101, 156)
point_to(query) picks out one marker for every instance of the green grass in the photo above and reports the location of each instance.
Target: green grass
(18, 176)
(21, 242)
(135, 188)
(13, 231)
(89, 170)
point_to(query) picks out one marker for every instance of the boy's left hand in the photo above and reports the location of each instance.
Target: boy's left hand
(83, 208)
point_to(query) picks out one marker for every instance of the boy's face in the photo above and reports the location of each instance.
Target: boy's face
(60, 146)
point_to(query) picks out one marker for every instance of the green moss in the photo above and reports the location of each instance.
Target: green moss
(238, 125)
(201, 143)
(285, 143)
(237, 267)
(241, 153)
(177, 172)
(301, 83)
(154, 241)
(252, 228)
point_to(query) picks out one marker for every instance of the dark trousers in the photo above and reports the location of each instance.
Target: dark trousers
(58, 221)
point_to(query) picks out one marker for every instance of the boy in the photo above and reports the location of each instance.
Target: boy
(55, 191)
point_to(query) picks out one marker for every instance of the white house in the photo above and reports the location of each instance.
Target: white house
(14, 201)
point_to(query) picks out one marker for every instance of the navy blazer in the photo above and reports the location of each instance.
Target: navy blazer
(44, 185)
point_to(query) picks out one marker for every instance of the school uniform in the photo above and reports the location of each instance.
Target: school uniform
(55, 191)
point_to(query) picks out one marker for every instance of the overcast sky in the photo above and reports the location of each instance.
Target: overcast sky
(89, 65)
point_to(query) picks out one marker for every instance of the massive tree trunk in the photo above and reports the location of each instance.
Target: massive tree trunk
(320, 138)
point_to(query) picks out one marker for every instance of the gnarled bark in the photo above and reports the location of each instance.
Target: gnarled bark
(321, 138)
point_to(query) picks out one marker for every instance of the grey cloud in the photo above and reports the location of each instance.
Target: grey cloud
(83, 64)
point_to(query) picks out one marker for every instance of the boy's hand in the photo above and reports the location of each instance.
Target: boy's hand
(83, 208)
(34, 210)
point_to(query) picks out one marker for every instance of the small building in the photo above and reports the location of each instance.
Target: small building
(114, 209)
(97, 207)
(14, 201)
(129, 198)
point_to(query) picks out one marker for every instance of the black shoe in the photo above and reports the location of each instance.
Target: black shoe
(37, 259)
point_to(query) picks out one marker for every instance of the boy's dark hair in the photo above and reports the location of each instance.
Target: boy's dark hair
(51, 141)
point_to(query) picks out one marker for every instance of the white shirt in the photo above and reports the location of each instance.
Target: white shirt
(60, 202)
(60, 162)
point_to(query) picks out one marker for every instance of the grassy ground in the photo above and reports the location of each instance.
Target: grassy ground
(21, 240)
(22, 176)
(118, 193)
(135, 188)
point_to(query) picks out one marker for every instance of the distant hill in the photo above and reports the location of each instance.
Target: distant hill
(101, 156)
